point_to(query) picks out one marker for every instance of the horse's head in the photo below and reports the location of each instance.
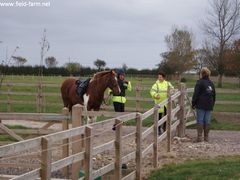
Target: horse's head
(112, 82)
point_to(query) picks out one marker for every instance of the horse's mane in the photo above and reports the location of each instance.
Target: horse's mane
(101, 74)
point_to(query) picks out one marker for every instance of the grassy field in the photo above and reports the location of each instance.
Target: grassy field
(146, 82)
(143, 82)
(218, 168)
(57, 80)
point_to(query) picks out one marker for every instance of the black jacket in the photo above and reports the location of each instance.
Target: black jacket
(204, 94)
(122, 88)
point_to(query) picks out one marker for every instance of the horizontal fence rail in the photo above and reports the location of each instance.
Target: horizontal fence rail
(80, 139)
(40, 99)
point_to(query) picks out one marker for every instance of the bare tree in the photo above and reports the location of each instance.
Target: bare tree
(44, 49)
(45, 46)
(222, 24)
(206, 56)
(4, 63)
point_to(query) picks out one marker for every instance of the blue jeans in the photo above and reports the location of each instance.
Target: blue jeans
(203, 116)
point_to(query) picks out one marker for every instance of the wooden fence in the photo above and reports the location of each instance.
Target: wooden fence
(41, 103)
(80, 139)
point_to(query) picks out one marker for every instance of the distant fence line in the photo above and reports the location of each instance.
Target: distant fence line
(41, 103)
(81, 139)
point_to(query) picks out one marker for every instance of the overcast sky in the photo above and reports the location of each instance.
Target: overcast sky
(116, 31)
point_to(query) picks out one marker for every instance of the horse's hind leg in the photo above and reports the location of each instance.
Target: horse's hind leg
(65, 102)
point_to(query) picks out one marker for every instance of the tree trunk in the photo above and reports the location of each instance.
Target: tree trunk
(220, 80)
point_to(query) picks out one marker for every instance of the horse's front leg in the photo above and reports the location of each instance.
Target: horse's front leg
(93, 119)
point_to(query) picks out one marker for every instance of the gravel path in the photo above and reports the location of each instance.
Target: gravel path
(222, 143)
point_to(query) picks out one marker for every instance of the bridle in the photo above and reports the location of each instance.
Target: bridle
(115, 85)
(106, 101)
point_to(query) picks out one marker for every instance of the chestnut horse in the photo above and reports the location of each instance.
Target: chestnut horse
(94, 95)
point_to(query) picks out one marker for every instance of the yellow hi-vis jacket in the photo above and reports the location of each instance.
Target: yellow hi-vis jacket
(160, 88)
(121, 99)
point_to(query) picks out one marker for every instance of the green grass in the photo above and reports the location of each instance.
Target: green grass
(4, 137)
(57, 80)
(17, 127)
(216, 125)
(222, 125)
(7, 138)
(227, 108)
(228, 96)
(218, 168)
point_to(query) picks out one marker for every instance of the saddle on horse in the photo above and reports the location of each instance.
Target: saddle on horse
(82, 86)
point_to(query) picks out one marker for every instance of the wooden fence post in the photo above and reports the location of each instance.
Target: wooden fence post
(65, 148)
(155, 137)
(138, 147)
(37, 108)
(169, 119)
(76, 146)
(138, 95)
(46, 158)
(9, 103)
(118, 150)
(181, 113)
(88, 153)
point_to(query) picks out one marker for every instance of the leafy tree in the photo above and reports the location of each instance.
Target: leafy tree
(124, 67)
(163, 66)
(51, 62)
(100, 64)
(132, 71)
(179, 57)
(222, 24)
(20, 61)
(73, 67)
(233, 60)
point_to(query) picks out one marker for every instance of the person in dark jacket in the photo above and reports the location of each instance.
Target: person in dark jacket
(119, 100)
(203, 100)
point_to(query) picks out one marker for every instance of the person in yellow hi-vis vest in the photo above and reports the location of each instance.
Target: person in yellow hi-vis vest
(119, 100)
(159, 94)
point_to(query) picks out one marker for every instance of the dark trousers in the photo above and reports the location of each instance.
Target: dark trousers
(160, 115)
(118, 107)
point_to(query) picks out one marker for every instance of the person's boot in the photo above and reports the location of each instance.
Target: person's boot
(206, 132)
(199, 132)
